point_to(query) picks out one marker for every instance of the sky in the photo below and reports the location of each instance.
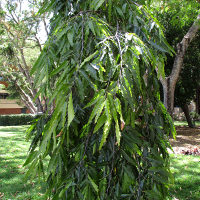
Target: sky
(25, 6)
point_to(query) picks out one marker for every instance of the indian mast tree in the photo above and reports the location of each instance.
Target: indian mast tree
(108, 135)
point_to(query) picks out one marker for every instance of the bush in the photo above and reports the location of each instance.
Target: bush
(19, 119)
(195, 116)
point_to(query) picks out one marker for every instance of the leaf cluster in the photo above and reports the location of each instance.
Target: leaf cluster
(99, 70)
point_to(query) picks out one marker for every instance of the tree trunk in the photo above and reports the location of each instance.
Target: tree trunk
(187, 115)
(168, 91)
(169, 83)
(26, 99)
(198, 100)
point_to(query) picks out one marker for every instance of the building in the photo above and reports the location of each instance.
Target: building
(9, 106)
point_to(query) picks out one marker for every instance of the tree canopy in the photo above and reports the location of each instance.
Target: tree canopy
(182, 24)
(19, 49)
(177, 18)
(108, 135)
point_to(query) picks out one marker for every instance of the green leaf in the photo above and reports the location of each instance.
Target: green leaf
(159, 47)
(101, 121)
(97, 108)
(114, 114)
(84, 75)
(109, 10)
(91, 26)
(105, 133)
(120, 12)
(118, 133)
(60, 68)
(70, 110)
(89, 58)
(69, 184)
(99, 111)
(118, 107)
(70, 36)
(107, 124)
(95, 98)
(38, 63)
(30, 157)
(32, 170)
(128, 158)
(94, 185)
(98, 5)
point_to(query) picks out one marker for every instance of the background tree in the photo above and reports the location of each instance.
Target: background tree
(189, 80)
(98, 66)
(182, 23)
(198, 100)
(177, 18)
(20, 46)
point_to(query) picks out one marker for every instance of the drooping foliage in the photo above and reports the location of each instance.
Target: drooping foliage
(108, 135)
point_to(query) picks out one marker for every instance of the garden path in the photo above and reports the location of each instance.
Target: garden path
(187, 139)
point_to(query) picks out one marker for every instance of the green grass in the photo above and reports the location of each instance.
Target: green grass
(13, 152)
(184, 123)
(186, 170)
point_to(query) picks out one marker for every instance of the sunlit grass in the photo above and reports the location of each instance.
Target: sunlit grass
(186, 170)
(184, 123)
(13, 152)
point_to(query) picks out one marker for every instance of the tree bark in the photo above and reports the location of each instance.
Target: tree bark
(187, 115)
(26, 99)
(198, 100)
(168, 90)
(30, 81)
(169, 83)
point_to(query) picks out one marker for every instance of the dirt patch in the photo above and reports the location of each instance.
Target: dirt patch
(186, 139)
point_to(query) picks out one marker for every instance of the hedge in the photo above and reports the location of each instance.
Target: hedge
(17, 119)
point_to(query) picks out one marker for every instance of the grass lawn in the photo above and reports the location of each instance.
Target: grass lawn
(13, 152)
(186, 170)
(184, 123)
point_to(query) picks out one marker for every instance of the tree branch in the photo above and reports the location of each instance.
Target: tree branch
(181, 50)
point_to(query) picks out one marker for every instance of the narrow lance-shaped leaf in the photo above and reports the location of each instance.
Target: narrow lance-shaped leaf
(94, 185)
(70, 36)
(90, 57)
(95, 98)
(107, 124)
(100, 122)
(70, 110)
(98, 4)
(97, 108)
(119, 110)
(115, 117)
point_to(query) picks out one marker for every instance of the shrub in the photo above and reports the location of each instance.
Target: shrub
(19, 119)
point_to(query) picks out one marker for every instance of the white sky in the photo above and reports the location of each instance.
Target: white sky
(24, 6)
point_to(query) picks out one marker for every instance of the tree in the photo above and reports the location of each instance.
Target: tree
(188, 82)
(175, 14)
(98, 67)
(20, 46)
(198, 100)
(177, 19)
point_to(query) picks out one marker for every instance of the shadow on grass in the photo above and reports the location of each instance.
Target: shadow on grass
(186, 170)
(13, 129)
(13, 152)
(12, 139)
